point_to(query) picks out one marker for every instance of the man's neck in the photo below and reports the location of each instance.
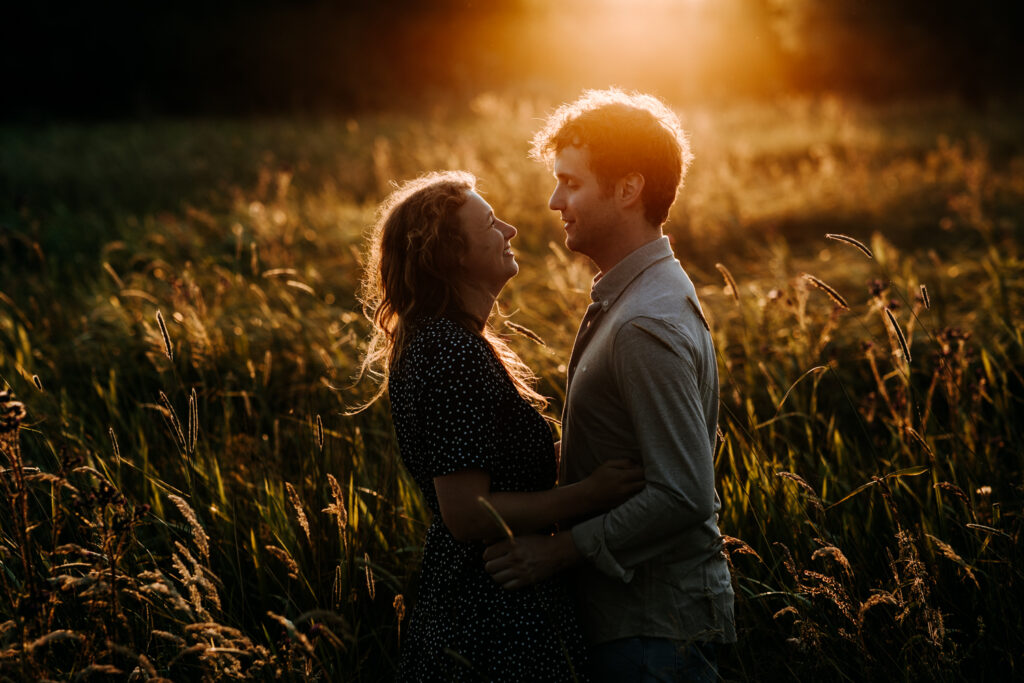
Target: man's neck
(631, 241)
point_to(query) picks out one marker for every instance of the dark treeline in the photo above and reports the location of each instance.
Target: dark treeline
(121, 59)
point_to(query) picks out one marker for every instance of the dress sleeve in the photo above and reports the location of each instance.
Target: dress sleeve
(460, 405)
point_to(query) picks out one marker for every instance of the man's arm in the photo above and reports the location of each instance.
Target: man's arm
(657, 374)
(656, 371)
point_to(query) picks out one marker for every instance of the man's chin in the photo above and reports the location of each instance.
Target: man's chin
(573, 244)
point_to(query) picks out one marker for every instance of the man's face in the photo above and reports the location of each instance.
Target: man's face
(589, 214)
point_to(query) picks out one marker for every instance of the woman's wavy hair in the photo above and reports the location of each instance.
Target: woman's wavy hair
(412, 276)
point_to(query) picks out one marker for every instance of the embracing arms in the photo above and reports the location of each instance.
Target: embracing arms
(660, 378)
(459, 494)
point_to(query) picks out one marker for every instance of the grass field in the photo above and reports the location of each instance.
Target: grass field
(186, 499)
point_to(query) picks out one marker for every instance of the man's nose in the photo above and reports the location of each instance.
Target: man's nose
(555, 201)
(509, 230)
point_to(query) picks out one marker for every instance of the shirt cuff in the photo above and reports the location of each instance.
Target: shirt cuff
(590, 541)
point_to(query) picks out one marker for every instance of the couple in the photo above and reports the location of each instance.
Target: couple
(616, 573)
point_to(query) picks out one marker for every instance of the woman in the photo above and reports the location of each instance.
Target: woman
(468, 429)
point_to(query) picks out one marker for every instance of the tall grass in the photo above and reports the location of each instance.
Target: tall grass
(185, 498)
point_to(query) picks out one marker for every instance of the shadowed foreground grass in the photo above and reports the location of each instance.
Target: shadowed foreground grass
(184, 498)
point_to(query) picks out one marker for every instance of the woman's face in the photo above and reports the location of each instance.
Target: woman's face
(488, 262)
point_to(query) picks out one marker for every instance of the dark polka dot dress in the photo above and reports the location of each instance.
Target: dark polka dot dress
(454, 408)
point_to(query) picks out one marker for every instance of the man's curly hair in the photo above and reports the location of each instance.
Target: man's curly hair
(623, 133)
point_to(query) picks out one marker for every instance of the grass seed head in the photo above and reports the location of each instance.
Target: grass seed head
(898, 331)
(371, 582)
(727, 276)
(163, 333)
(837, 298)
(12, 412)
(282, 555)
(202, 541)
(300, 514)
(525, 331)
(846, 239)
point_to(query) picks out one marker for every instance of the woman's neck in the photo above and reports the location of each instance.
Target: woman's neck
(478, 303)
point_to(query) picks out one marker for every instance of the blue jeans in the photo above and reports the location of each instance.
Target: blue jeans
(648, 660)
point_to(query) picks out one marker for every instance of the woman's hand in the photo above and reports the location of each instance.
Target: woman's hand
(613, 483)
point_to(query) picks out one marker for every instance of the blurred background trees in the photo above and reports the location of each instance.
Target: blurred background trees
(122, 59)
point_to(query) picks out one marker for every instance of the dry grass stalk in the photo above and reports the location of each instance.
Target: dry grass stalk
(336, 586)
(399, 605)
(319, 433)
(300, 514)
(727, 276)
(295, 284)
(281, 554)
(846, 239)
(55, 637)
(880, 598)
(898, 331)
(12, 412)
(947, 551)
(787, 611)
(525, 331)
(113, 441)
(812, 495)
(371, 583)
(496, 516)
(202, 541)
(165, 635)
(113, 275)
(38, 382)
(188, 580)
(172, 417)
(163, 333)
(293, 632)
(925, 298)
(836, 297)
(146, 666)
(337, 508)
(836, 555)
(920, 439)
(87, 673)
(193, 421)
(736, 546)
(700, 313)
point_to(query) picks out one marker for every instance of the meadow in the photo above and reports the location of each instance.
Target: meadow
(185, 497)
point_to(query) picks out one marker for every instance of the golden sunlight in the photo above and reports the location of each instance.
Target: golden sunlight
(676, 47)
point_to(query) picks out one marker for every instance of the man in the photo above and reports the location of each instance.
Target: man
(652, 583)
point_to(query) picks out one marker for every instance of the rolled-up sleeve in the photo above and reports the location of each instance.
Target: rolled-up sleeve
(654, 368)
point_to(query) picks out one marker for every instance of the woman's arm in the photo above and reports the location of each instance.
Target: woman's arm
(458, 495)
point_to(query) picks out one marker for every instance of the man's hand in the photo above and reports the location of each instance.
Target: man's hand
(529, 559)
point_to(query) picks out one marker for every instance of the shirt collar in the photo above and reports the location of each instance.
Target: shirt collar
(608, 286)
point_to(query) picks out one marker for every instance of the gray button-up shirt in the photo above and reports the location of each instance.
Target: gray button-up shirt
(643, 384)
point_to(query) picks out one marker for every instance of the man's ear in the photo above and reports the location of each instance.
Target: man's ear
(629, 188)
